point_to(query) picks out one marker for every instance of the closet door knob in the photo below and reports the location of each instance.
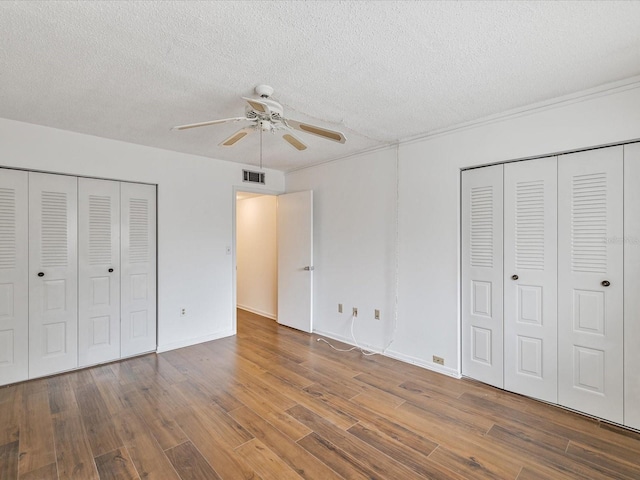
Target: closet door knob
(111, 270)
(605, 283)
(514, 277)
(41, 274)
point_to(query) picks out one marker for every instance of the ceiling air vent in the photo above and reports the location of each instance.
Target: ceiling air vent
(252, 177)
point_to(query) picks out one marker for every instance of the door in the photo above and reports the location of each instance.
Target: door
(98, 271)
(138, 268)
(53, 274)
(295, 260)
(482, 273)
(632, 285)
(590, 282)
(530, 278)
(14, 279)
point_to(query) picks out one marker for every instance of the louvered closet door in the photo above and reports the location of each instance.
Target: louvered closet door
(14, 280)
(590, 282)
(53, 274)
(632, 285)
(98, 271)
(138, 257)
(482, 229)
(530, 278)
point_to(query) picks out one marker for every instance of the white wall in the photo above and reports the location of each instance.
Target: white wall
(257, 255)
(354, 244)
(355, 222)
(195, 196)
(430, 205)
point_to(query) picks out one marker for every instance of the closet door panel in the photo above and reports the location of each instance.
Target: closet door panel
(482, 273)
(530, 278)
(590, 278)
(99, 271)
(53, 264)
(632, 285)
(138, 270)
(14, 279)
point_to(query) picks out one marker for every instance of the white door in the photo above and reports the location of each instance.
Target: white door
(98, 271)
(138, 268)
(590, 282)
(632, 285)
(53, 274)
(530, 278)
(482, 273)
(295, 260)
(14, 279)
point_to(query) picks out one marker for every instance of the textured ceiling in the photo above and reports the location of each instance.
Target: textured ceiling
(378, 71)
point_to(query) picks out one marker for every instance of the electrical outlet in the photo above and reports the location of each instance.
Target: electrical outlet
(376, 314)
(183, 312)
(355, 311)
(339, 308)
(438, 360)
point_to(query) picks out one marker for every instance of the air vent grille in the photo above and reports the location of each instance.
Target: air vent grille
(253, 177)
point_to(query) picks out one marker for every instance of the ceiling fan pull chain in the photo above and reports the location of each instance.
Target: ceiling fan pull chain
(260, 149)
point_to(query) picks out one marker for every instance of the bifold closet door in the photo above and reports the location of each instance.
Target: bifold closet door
(53, 274)
(590, 282)
(14, 280)
(482, 274)
(632, 285)
(138, 265)
(98, 271)
(530, 278)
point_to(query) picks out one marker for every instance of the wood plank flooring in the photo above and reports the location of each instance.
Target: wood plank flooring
(272, 403)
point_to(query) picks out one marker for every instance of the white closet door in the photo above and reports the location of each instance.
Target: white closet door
(590, 280)
(482, 273)
(295, 260)
(98, 271)
(14, 279)
(632, 285)
(138, 268)
(53, 274)
(530, 278)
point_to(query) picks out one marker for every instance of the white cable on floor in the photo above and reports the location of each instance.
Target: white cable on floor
(353, 336)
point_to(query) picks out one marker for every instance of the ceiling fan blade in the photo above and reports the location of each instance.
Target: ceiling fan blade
(258, 106)
(294, 142)
(236, 137)
(318, 131)
(212, 122)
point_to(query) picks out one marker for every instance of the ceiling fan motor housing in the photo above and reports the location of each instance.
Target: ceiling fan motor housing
(265, 91)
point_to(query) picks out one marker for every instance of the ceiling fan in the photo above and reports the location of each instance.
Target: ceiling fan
(266, 115)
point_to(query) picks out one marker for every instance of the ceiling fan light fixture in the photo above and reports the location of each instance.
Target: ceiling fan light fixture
(267, 115)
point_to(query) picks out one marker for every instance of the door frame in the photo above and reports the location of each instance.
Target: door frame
(234, 232)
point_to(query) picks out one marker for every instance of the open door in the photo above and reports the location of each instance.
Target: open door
(295, 260)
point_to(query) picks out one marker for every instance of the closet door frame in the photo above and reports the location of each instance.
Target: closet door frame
(631, 284)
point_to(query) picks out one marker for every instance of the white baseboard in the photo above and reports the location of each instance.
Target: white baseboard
(272, 316)
(450, 372)
(194, 341)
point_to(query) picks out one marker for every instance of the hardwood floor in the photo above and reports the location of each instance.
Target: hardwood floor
(273, 403)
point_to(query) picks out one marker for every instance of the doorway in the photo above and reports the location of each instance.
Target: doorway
(256, 253)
